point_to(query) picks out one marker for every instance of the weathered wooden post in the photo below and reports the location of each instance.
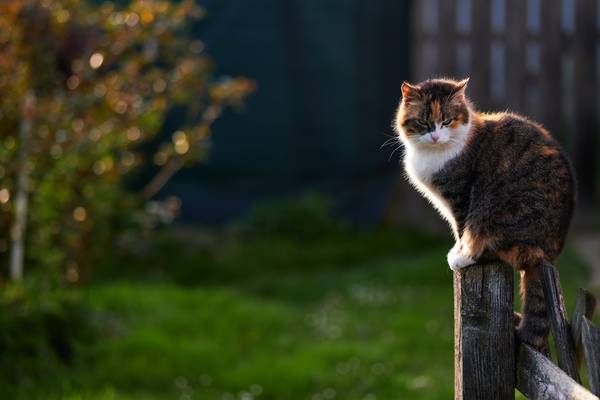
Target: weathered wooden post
(557, 313)
(484, 343)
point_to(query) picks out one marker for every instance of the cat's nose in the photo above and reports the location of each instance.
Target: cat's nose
(435, 136)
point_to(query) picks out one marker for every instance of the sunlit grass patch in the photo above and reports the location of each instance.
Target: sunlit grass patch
(375, 325)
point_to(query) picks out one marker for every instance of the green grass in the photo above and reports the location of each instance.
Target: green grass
(354, 316)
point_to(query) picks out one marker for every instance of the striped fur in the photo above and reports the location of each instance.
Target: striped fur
(501, 180)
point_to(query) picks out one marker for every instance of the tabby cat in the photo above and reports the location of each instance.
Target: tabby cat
(500, 180)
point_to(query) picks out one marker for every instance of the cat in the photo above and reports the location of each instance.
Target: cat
(501, 181)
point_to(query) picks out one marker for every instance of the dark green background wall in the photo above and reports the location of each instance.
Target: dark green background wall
(328, 74)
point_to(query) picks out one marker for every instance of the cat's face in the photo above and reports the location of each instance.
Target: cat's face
(433, 114)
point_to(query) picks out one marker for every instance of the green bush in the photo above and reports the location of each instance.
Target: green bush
(305, 218)
(40, 331)
(86, 112)
(299, 234)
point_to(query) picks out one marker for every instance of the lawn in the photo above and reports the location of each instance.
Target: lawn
(356, 315)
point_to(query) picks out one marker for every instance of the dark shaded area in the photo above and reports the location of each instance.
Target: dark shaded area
(328, 75)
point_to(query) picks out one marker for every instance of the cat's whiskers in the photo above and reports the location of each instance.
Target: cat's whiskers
(395, 150)
(390, 141)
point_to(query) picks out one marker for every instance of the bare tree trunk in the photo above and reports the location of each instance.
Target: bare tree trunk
(22, 187)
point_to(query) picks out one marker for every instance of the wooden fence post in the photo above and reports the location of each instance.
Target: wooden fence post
(484, 344)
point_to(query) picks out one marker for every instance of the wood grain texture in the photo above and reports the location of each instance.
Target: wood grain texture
(538, 378)
(557, 313)
(590, 337)
(484, 333)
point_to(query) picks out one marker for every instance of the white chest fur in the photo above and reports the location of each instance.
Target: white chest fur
(420, 172)
(422, 162)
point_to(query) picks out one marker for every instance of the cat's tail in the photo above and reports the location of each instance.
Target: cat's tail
(534, 326)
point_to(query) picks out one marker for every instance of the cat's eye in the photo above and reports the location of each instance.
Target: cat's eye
(423, 123)
(447, 122)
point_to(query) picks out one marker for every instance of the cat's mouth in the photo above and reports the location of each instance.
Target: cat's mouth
(433, 140)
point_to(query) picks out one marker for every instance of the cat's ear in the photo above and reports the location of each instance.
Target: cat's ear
(460, 88)
(410, 91)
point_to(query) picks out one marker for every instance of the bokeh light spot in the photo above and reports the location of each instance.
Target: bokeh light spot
(73, 82)
(133, 133)
(72, 273)
(181, 143)
(132, 19)
(4, 196)
(79, 214)
(96, 60)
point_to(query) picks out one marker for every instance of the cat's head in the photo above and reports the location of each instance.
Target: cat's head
(434, 113)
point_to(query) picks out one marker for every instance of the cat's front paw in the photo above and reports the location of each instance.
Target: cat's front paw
(458, 260)
(453, 253)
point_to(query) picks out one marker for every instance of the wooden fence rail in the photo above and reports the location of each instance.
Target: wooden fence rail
(483, 333)
(489, 364)
(539, 378)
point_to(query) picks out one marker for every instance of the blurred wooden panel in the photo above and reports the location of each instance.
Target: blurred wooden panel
(381, 65)
(551, 62)
(585, 135)
(447, 42)
(480, 85)
(536, 57)
(515, 33)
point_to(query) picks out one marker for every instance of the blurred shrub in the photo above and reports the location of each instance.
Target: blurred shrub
(40, 329)
(100, 81)
(277, 237)
(307, 217)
